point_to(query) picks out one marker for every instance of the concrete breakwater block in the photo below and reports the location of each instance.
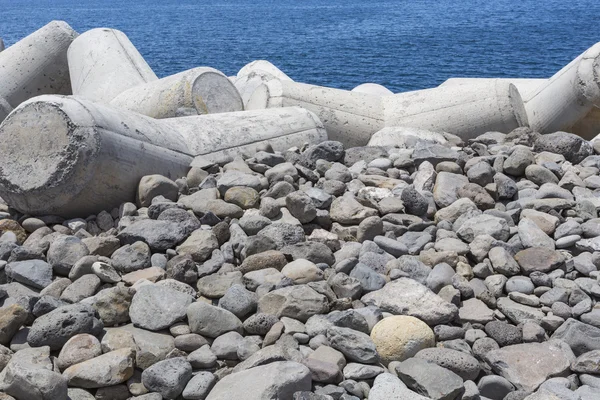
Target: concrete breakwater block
(201, 90)
(2, 44)
(373, 88)
(251, 76)
(69, 156)
(103, 63)
(568, 101)
(352, 117)
(465, 111)
(37, 64)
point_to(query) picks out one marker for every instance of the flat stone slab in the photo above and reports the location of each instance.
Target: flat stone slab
(406, 296)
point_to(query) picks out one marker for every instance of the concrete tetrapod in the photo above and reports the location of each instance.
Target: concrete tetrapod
(465, 111)
(587, 127)
(71, 157)
(568, 96)
(201, 90)
(1, 44)
(263, 66)
(349, 117)
(373, 88)
(36, 64)
(103, 63)
(253, 75)
(352, 117)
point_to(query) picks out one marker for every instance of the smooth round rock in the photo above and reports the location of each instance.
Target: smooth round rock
(400, 337)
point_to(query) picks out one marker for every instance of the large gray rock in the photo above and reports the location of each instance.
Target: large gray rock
(283, 234)
(152, 347)
(356, 346)
(64, 252)
(299, 302)
(278, 380)
(390, 387)
(131, 257)
(58, 326)
(571, 146)
(528, 365)
(82, 288)
(408, 297)
(157, 307)
(168, 377)
(347, 210)
(518, 313)
(446, 186)
(29, 375)
(430, 379)
(239, 300)
(484, 224)
(199, 245)
(199, 386)
(581, 337)
(35, 273)
(464, 365)
(108, 369)
(113, 304)
(159, 235)
(151, 186)
(211, 321)
(539, 259)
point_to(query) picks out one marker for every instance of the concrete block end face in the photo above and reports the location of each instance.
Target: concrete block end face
(48, 152)
(66, 28)
(266, 95)
(213, 92)
(518, 106)
(588, 75)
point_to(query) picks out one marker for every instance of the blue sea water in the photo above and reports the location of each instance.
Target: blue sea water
(401, 44)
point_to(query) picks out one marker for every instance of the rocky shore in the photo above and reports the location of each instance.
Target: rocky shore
(445, 270)
(205, 237)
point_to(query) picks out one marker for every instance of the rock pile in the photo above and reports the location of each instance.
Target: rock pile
(444, 271)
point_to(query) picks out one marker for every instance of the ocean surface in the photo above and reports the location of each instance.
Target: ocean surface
(401, 44)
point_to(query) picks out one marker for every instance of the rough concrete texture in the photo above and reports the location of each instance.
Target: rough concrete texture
(252, 75)
(65, 156)
(262, 66)
(586, 127)
(104, 63)
(353, 117)
(201, 90)
(349, 117)
(37, 64)
(465, 111)
(568, 101)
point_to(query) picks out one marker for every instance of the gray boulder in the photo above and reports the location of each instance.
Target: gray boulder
(528, 365)
(211, 321)
(157, 307)
(277, 380)
(430, 379)
(168, 377)
(57, 327)
(159, 235)
(408, 297)
(29, 375)
(35, 273)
